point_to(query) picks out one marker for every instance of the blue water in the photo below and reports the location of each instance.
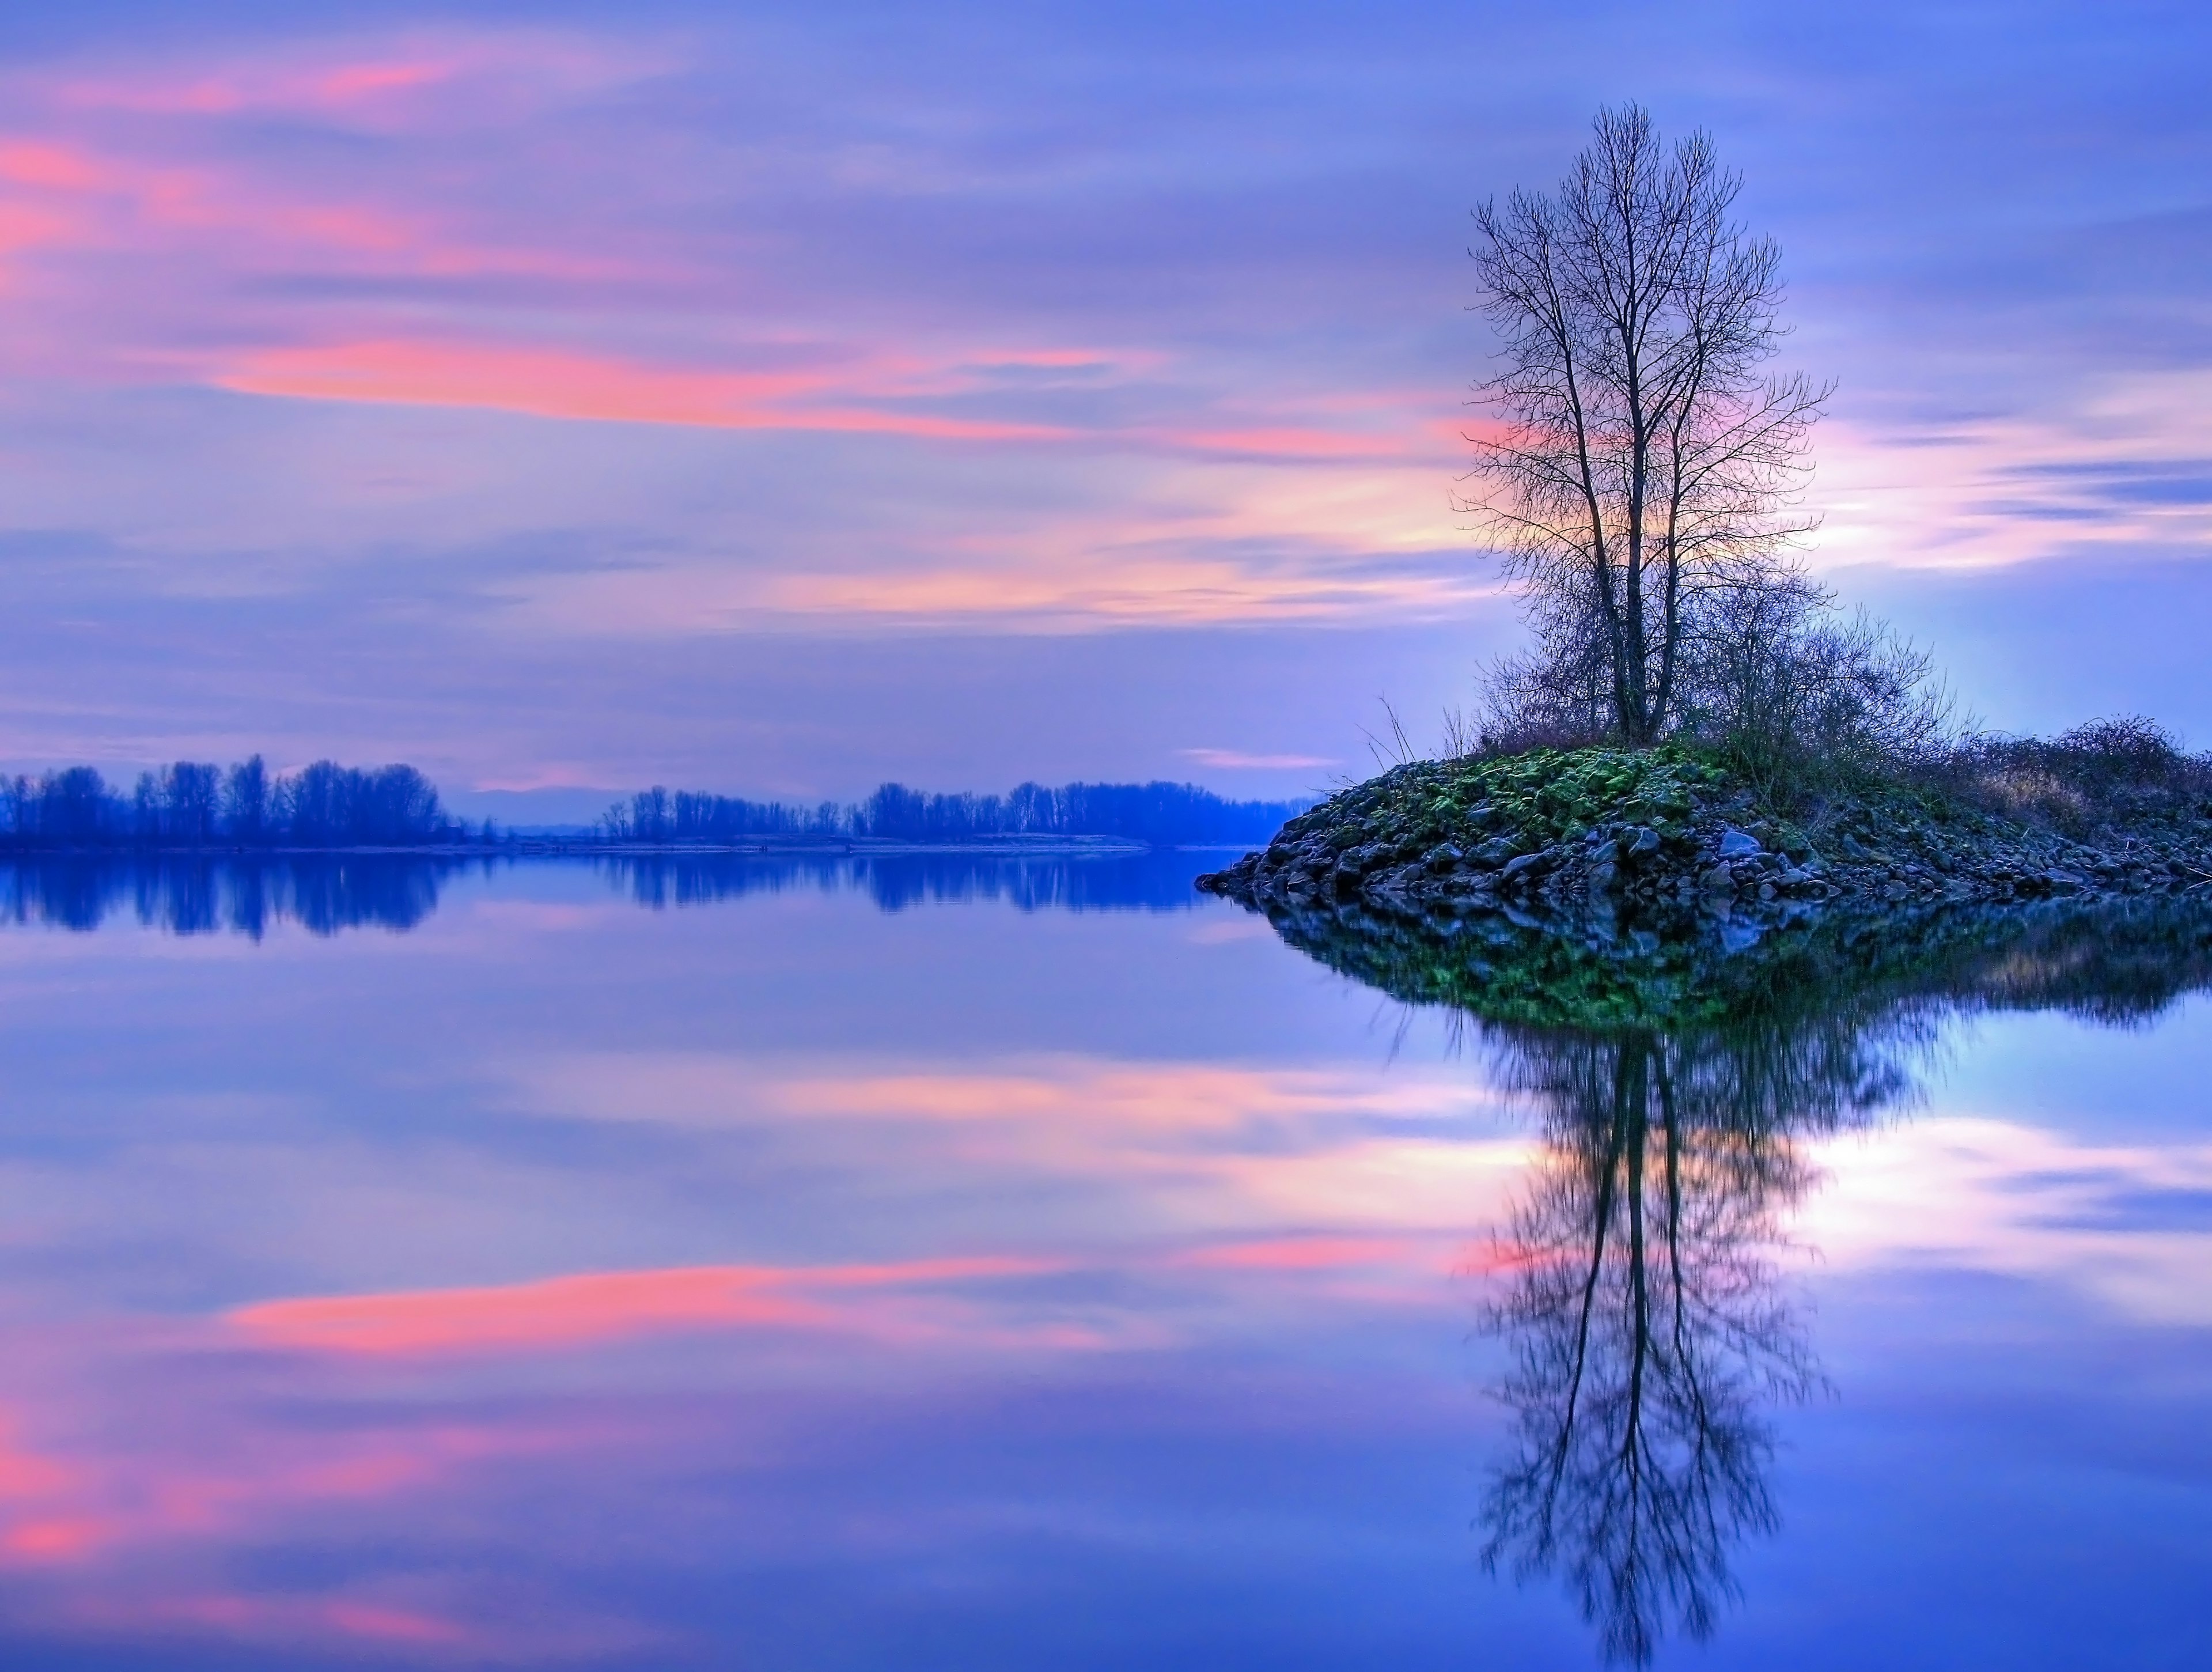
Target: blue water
(935, 1264)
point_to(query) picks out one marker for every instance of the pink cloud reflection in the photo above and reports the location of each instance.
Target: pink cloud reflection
(567, 1311)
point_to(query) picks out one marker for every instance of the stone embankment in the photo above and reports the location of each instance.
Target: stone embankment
(1564, 831)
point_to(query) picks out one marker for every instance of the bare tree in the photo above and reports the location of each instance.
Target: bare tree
(1643, 469)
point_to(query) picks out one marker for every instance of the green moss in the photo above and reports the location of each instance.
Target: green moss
(1544, 797)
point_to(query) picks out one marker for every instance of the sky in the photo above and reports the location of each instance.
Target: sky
(776, 399)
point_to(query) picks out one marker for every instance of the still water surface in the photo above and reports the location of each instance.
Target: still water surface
(938, 1264)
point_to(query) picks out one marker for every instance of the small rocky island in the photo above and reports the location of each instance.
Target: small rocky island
(1673, 827)
(1695, 729)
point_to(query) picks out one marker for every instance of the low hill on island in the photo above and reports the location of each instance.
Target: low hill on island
(2110, 809)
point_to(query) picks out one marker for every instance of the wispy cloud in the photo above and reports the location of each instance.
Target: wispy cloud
(1238, 760)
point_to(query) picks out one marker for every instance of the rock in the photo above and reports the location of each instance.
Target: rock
(1642, 841)
(1605, 853)
(1444, 855)
(1515, 870)
(1738, 844)
(1495, 852)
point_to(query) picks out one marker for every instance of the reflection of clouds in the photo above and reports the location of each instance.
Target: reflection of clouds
(426, 1414)
(131, 1533)
(1056, 1094)
(69, 1499)
(1199, 1143)
(1983, 1195)
(443, 1346)
(540, 1631)
(577, 1309)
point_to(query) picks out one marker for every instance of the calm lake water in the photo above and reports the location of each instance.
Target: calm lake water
(941, 1264)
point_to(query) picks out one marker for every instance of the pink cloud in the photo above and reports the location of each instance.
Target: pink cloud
(554, 383)
(1236, 759)
(147, 239)
(1301, 1253)
(53, 168)
(329, 90)
(351, 80)
(1289, 441)
(62, 1538)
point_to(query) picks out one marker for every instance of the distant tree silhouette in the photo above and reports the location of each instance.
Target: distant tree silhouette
(245, 808)
(194, 806)
(1162, 814)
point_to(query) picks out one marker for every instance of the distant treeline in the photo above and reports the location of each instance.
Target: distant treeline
(1162, 814)
(194, 805)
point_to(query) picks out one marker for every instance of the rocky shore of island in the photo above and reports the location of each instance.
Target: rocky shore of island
(1561, 831)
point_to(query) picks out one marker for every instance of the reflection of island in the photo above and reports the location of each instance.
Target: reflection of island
(1676, 1079)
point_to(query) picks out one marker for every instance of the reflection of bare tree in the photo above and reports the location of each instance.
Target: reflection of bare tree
(1678, 1071)
(1649, 1336)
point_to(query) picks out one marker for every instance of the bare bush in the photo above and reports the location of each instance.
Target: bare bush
(1801, 698)
(2103, 772)
(1804, 700)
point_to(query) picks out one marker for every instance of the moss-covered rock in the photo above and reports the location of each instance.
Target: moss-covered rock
(1633, 831)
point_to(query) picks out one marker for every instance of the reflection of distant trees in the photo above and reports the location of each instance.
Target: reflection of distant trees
(1649, 1335)
(186, 895)
(1115, 882)
(201, 894)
